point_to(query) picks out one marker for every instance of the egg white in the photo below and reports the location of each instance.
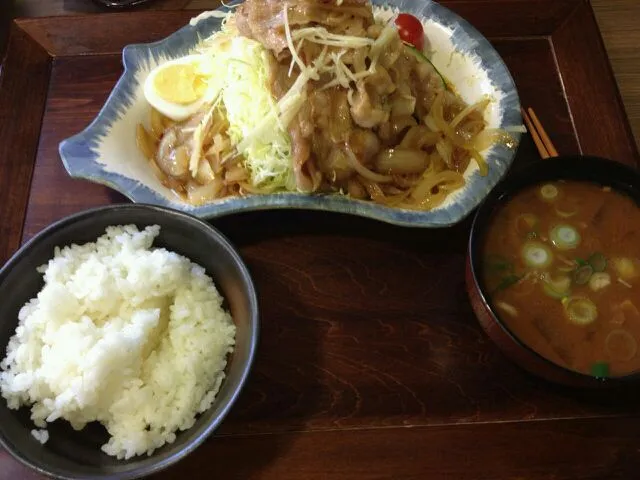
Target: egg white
(174, 111)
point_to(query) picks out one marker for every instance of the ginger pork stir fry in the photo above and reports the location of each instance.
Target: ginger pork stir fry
(311, 96)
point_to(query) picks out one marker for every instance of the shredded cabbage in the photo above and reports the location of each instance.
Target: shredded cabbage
(239, 69)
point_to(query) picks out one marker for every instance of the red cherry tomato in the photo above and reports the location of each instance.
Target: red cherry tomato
(410, 30)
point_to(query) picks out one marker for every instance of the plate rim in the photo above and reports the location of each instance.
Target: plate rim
(86, 166)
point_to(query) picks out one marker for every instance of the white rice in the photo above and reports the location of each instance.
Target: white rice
(128, 335)
(41, 435)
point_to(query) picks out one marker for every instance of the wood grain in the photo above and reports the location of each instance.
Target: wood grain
(58, 40)
(595, 449)
(619, 22)
(371, 363)
(21, 106)
(579, 88)
(563, 450)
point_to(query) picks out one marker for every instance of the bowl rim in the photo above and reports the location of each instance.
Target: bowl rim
(192, 443)
(525, 177)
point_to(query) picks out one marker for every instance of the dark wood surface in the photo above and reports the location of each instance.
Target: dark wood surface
(618, 20)
(21, 107)
(371, 363)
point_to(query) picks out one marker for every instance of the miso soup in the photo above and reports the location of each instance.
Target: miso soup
(561, 265)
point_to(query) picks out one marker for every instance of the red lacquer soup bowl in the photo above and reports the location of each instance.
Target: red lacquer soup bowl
(609, 173)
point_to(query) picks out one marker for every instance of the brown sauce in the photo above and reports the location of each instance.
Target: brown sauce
(561, 265)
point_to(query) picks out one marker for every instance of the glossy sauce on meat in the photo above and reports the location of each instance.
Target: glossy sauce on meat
(365, 115)
(371, 124)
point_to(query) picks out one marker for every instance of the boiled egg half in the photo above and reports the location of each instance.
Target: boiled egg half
(178, 88)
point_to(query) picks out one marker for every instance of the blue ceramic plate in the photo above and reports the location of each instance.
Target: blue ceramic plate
(105, 152)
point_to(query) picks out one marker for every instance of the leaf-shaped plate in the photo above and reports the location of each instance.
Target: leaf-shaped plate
(105, 152)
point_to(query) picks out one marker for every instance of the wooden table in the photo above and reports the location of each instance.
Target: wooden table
(619, 22)
(362, 371)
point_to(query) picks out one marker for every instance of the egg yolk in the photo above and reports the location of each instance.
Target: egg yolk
(179, 84)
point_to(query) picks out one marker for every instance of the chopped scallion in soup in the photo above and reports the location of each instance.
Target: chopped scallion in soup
(561, 265)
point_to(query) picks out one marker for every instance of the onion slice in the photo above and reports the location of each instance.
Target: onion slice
(620, 345)
(580, 310)
(364, 171)
(549, 192)
(537, 255)
(565, 237)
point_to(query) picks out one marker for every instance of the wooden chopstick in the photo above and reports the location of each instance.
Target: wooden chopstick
(540, 138)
